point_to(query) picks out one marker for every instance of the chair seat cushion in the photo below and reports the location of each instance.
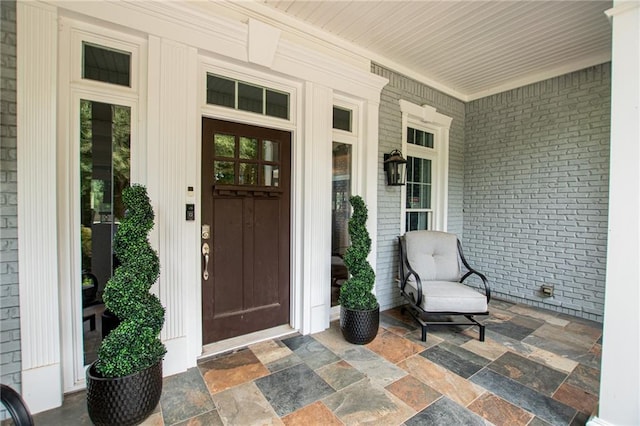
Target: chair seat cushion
(448, 296)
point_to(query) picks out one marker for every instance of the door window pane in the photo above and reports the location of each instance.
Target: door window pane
(270, 175)
(105, 134)
(224, 172)
(248, 174)
(248, 148)
(106, 65)
(270, 151)
(245, 160)
(225, 145)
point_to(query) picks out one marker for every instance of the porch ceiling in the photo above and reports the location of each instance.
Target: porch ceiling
(468, 49)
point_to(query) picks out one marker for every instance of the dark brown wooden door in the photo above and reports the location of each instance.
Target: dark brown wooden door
(246, 203)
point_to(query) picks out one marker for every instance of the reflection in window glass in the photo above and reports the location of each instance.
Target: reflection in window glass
(224, 91)
(418, 221)
(418, 183)
(224, 172)
(270, 151)
(106, 64)
(105, 145)
(341, 119)
(248, 148)
(225, 145)
(341, 191)
(277, 104)
(248, 174)
(250, 98)
(418, 202)
(270, 175)
(340, 212)
(246, 161)
(221, 91)
(419, 137)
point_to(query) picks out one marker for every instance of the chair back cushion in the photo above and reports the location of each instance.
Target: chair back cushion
(433, 255)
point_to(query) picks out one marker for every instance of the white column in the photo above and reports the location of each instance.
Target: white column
(37, 31)
(317, 208)
(173, 166)
(620, 368)
(369, 176)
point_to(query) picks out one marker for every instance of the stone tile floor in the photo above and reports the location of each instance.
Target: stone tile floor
(536, 367)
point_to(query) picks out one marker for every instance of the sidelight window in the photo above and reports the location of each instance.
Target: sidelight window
(105, 138)
(342, 181)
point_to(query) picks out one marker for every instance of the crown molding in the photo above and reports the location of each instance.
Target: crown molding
(541, 76)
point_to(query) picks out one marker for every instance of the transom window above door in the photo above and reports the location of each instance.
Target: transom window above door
(243, 96)
(241, 160)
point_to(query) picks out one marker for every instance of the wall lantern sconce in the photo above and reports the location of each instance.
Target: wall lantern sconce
(395, 167)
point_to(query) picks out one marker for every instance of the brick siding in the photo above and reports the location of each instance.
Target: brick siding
(536, 175)
(389, 202)
(10, 364)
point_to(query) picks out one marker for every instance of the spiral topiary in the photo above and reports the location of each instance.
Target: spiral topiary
(355, 293)
(135, 344)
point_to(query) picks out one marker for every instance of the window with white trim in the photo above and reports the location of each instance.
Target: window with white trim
(419, 194)
(344, 154)
(102, 85)
(425, 144)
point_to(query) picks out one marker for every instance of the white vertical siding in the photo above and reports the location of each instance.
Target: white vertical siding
(36, 90)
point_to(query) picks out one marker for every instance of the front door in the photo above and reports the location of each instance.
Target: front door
(246, 227)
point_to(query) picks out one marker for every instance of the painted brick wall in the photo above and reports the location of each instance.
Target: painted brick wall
(389, 202)
(9, 303)
(536, 190)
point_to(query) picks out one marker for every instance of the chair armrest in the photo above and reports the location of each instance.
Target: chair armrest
(406, 271)
(487, 289)
(471, 271)
(403, 283)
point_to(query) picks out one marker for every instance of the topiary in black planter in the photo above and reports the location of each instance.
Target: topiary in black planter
(359, 308)
(125, 383)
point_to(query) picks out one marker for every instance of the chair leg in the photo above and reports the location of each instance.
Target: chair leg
(481, 332)
(424, 332)
(92, 321)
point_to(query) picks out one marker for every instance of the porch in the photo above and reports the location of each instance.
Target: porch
(536, 367)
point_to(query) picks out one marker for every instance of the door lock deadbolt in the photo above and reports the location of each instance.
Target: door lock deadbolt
(205, 232)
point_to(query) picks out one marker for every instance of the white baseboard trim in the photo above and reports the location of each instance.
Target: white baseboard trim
(176, 359)
(42, 388)
(595, 421)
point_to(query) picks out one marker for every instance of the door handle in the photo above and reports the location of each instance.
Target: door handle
(205, 253)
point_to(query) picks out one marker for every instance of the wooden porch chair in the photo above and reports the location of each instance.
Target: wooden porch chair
(432, 280)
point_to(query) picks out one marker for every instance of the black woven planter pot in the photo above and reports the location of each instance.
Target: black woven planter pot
(123, 401)
(359, 327)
